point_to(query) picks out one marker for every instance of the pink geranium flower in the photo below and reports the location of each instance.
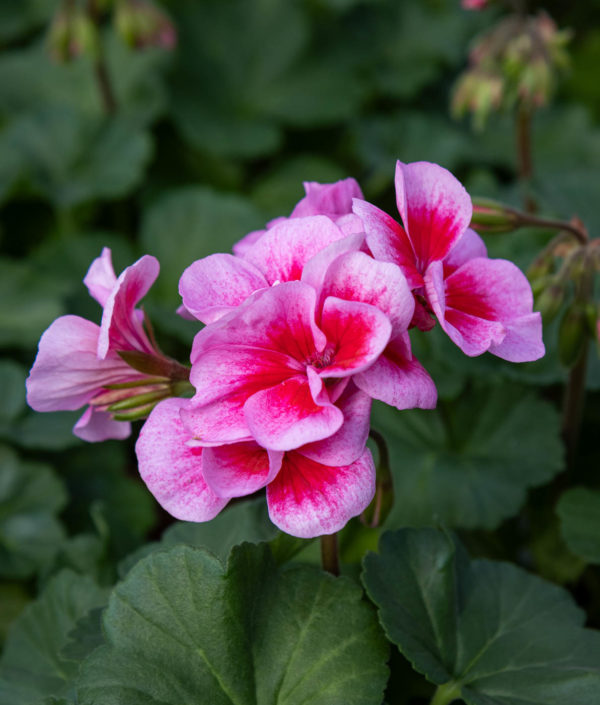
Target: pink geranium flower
(331, 200)
(311, 491)
(78, 361)
(482, 304)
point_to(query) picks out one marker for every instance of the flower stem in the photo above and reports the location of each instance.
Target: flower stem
(105, 88)
(524, 157)
(446, 693)
(573, 405)
(329, 554)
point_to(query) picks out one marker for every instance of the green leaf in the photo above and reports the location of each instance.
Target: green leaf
(30, 498)
(17, 18)
(70, 159)
(245, 521)
(182, 626)
(12, 384)
(32, 665)
(13, 599)
(579, 512)
(469, 462)
(46, 431)
(190, 223)
(28, 303)
(486, 631)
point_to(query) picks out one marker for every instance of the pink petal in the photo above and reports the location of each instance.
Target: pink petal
(434, 207)
(350, 224)
(286, 416)
(243, 245)
(218, 422)
(213, 286)
(100, 278)
(523, 340)
(308, 499)
(398, 380)
(184, 313)
(282, 252)
(239, 469)
(315, 269)
(95, 426)
(67, 373)
(121, 327)
(358, 277)
(171, 469)
(467, 247)
(357, 334)
(387, 241)
(347, 444)
(332, 200)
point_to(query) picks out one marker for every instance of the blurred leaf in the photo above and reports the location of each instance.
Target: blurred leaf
(579, 512)
(246, 634)
(469, 463)
(277, 193)
(30, 79)
(85, 636)
(28, 303)
(187, 224)
(12, 384)
(13, 599)
(234, 103)
(46, 431)
(30, 498)
(18, 18)
(70, 159)
(32, 665)
(488, 632)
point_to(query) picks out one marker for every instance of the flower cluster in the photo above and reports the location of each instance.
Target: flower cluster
(305, 324)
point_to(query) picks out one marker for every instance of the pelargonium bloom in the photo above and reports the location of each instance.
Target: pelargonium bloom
(482, 304)
(331, 200)
(78, 361)
(310, 491)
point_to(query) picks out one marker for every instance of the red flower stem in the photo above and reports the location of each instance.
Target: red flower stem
(329, 554)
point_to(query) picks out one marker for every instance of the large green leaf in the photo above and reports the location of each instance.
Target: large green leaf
(183, 627)
(32, 665)
(190, 223)
(469, 462)
(30, 498)
(484, 631)
(579, 512)
(69, 158)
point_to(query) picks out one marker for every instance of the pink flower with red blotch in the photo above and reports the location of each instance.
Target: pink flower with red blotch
(331, 200)
(312, 490)
(78, 361)
(482, 304)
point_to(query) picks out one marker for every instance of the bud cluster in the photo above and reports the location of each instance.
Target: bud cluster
(515, 63)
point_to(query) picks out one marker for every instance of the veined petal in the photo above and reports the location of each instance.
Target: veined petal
(347, 444)
(239, 469)
(121, 327)
(357, 334)
(387, 241)
(95, 426)
(100, 278)
(218, 422)
(357, 277)
(309, 499)
(523, 340)
(399, 380)
(281, 253)
(67, 373)
(286, 416)
(434, 207)
(332, 200)
(467, 247)
(214, 285)
(171, 469)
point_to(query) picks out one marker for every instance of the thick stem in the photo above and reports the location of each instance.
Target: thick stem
(329, 554)
(524, 157)
(445, 694)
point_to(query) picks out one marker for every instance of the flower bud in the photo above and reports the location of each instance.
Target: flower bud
(550, 301)
(141, 24)
(492, 217)
(572, 336)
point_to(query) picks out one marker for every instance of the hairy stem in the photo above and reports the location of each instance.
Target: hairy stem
(329, 554)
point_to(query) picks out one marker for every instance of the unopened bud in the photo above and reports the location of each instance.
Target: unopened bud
(84, 40)
(492, 217)
(572, 336)
(59, 35)
(550, 301)
(141, 24)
